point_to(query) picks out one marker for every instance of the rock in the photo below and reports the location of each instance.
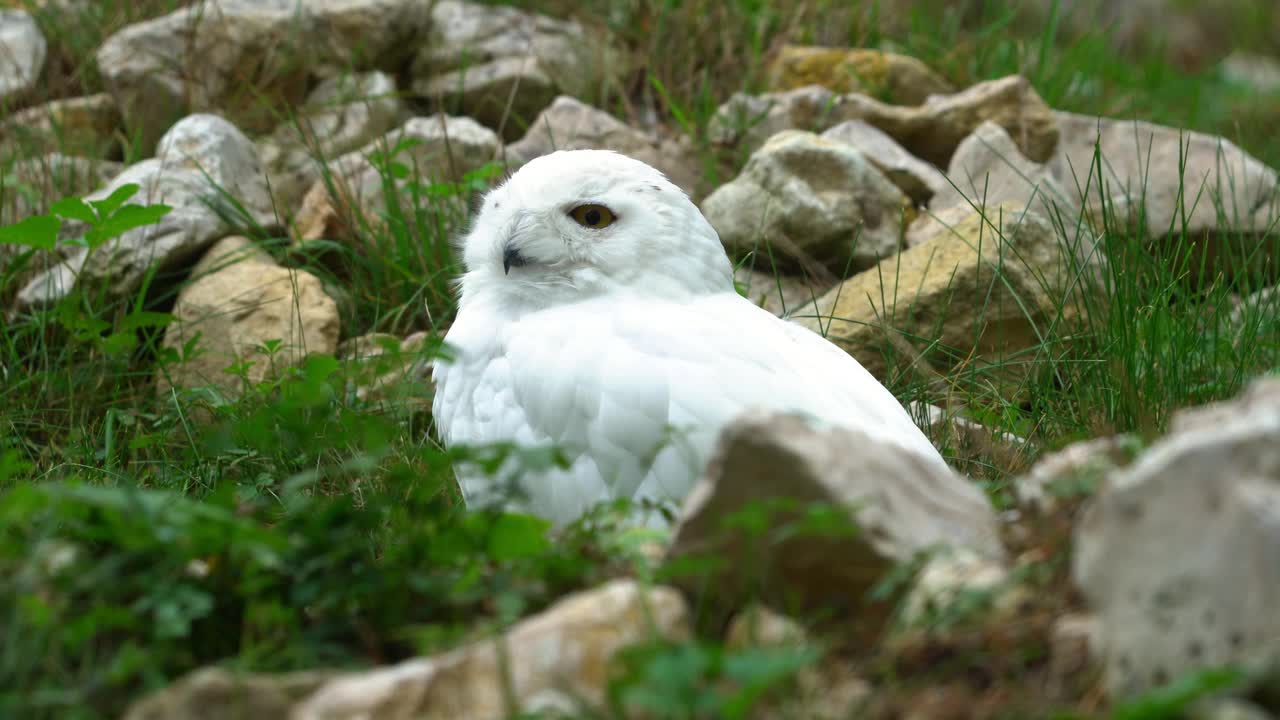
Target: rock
(197, 154)
(1264, 303)
(757, 626)
(569, 124)
(217, 694)
(431, 150)
(930, 131)
(386, 370)
(1075, 471)
(342, 114)
(893, 78)
(1222, 190)
(978, 295)
(248, 59)
(1226, 708)
(243, 302)
(502, 65)
(83, 126)
(949, 577)
(1259, 73)
(23, 50)
(964, 439)
(988, 170)
(560, 653)
(40, 181)
(780, 497)
(779, 294)
(930, 223)
(814, 202)
(1176, 553)
(915, 177)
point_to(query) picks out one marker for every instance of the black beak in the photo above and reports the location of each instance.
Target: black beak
(511, 257)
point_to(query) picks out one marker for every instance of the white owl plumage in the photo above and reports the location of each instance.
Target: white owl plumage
(597, 314)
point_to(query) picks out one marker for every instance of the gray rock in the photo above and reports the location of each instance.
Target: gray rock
(1177, 552)
(434, 149)
(1222, 189)
(569, 124)
(502, 65)
(340, 115)
(901, 504)
(23, 50)
(199, 153)
(1260, 73)
(216, 694)
(815, 202)
(81, 126)
(913, 176)
(988, 170)
(930, 131)
(250, 58)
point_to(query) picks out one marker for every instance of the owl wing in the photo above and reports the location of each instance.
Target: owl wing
(636, 391)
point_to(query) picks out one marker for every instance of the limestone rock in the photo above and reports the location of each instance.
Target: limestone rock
(989, 170)
(778, 293)
(569, 124)
(815, 202)
(248, 59)
(23, 50)
(894, 78)
(82, 126)
(930, 131)
(558, 654)
(240, 302)
(978, 294)
(1222, 189)
(198, 153)
(1259, 73)
(758, 626)
(1177, 552)
(754, 514)
(1074, 471)
(915, 177)
(963, 439)
(949, 575)
(216, 694)
(434, 149)
(502, 65)
(342, 114)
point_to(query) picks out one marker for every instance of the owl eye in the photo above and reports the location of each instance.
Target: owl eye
(591, 216)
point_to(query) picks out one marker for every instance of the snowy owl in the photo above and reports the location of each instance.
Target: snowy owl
(597, 314)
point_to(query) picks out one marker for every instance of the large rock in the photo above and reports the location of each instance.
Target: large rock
(1220, 191)
(915, 177)
(217, 694)
(23, 50)
(199, 153)
(570, 124)
(503, 65)
(546, 662)
(981, 293)
(779, 293)
(82, 126)
(814, 202)
(1177, 554)
(757, 515)
(930, 131)
(429, 150)
(249, 59)
(238, 301)
(342, 114)
(988, 170)
(893, 78)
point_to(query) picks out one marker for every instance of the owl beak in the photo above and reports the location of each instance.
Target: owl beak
(511, 257)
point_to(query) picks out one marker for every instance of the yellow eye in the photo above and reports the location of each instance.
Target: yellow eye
(592, 216)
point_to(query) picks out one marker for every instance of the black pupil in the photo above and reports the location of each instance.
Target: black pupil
(592, 217)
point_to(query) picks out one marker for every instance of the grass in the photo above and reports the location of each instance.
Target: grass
(145, 534)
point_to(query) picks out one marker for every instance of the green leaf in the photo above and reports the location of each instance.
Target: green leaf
(39, 231)
(514, 536)
(141, 319)
(127, 218)
(109, 204)
(73, 208)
